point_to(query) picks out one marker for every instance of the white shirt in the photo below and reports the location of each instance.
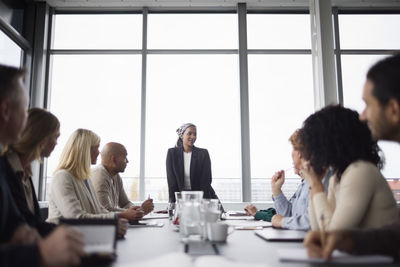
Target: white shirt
(187, 156)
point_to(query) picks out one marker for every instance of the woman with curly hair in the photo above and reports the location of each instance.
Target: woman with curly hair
(358, 195)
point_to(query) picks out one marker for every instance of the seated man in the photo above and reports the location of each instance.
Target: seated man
(108, 183)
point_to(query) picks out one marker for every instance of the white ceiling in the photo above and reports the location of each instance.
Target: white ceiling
(118, 4)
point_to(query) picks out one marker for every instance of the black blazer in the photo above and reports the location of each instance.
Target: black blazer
(17, 191)
(10, 217)
(12, 255)
(200, 172)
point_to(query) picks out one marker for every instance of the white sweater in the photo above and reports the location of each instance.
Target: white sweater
(362, 199)
(70, 198)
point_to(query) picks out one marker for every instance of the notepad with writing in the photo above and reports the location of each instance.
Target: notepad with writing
(300, 255)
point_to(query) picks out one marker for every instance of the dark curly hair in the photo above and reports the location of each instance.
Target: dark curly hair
(335, 137)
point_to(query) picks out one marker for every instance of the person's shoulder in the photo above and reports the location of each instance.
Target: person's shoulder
(363, 170)
(362, 165)
(200, 150)
(98, 172)
(174, 150)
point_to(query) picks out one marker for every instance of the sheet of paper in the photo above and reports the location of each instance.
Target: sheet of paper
(236, 215)
(152, 215)
(248, 223)
(300, 255)
(146, 223)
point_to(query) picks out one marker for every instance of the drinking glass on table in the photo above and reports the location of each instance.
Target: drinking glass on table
(190, 218)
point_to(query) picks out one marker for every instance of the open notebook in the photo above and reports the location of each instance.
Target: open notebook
(100, 237)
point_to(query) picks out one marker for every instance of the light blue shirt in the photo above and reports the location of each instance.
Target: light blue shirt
(295, 210)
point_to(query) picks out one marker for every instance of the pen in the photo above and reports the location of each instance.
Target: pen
(288, 169)
(322, 232)
(216, 250)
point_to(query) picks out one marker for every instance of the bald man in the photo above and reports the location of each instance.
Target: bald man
(108, 183)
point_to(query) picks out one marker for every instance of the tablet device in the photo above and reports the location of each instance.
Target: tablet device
(281, 235)
(100, 237)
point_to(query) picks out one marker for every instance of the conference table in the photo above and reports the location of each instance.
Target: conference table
(147, 243)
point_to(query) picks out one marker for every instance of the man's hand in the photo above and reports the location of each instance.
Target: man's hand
(334, 240)
(277, 181)
(25, 234)
(251, 210)
(134, 213)
(277, 221)
(63, 247)
(147, 206)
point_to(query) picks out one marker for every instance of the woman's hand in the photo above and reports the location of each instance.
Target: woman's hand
(276, 182)
(251, 210)
(315, 181)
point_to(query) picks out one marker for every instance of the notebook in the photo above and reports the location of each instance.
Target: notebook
(300, 255)
(281, 235)
(100, 237)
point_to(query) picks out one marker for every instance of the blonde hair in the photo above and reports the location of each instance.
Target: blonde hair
(41, 124)
(295, 140)
(75, 157)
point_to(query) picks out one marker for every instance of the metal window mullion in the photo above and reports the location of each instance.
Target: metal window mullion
(95, 51)
(338, 55)
(244, 103)
(46, 101)
(280, 51)
(142, 173)
(369, 51)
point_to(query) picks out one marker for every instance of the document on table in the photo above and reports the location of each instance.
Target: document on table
(248, 223)
(179, 259)
(153, 215)
(146, 223)
(300, 255)
(236, 215)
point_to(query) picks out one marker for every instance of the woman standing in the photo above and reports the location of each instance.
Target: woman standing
(188, 167)
(72, 194)
(358, 195)
(37, 141)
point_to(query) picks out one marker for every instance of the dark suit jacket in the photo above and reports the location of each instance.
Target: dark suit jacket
(200, 172)
(18, 194)
(10, 219)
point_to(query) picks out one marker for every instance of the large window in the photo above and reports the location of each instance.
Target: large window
(199, 87)
(280, 95)
(96, 83)
(364, 35)
(95, 91)
(10, 52)
(202, 89)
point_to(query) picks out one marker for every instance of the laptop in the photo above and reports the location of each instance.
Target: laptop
(271, 234)
(100, 238)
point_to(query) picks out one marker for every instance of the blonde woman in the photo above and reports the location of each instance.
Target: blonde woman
(72, 194)
(37, 141)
